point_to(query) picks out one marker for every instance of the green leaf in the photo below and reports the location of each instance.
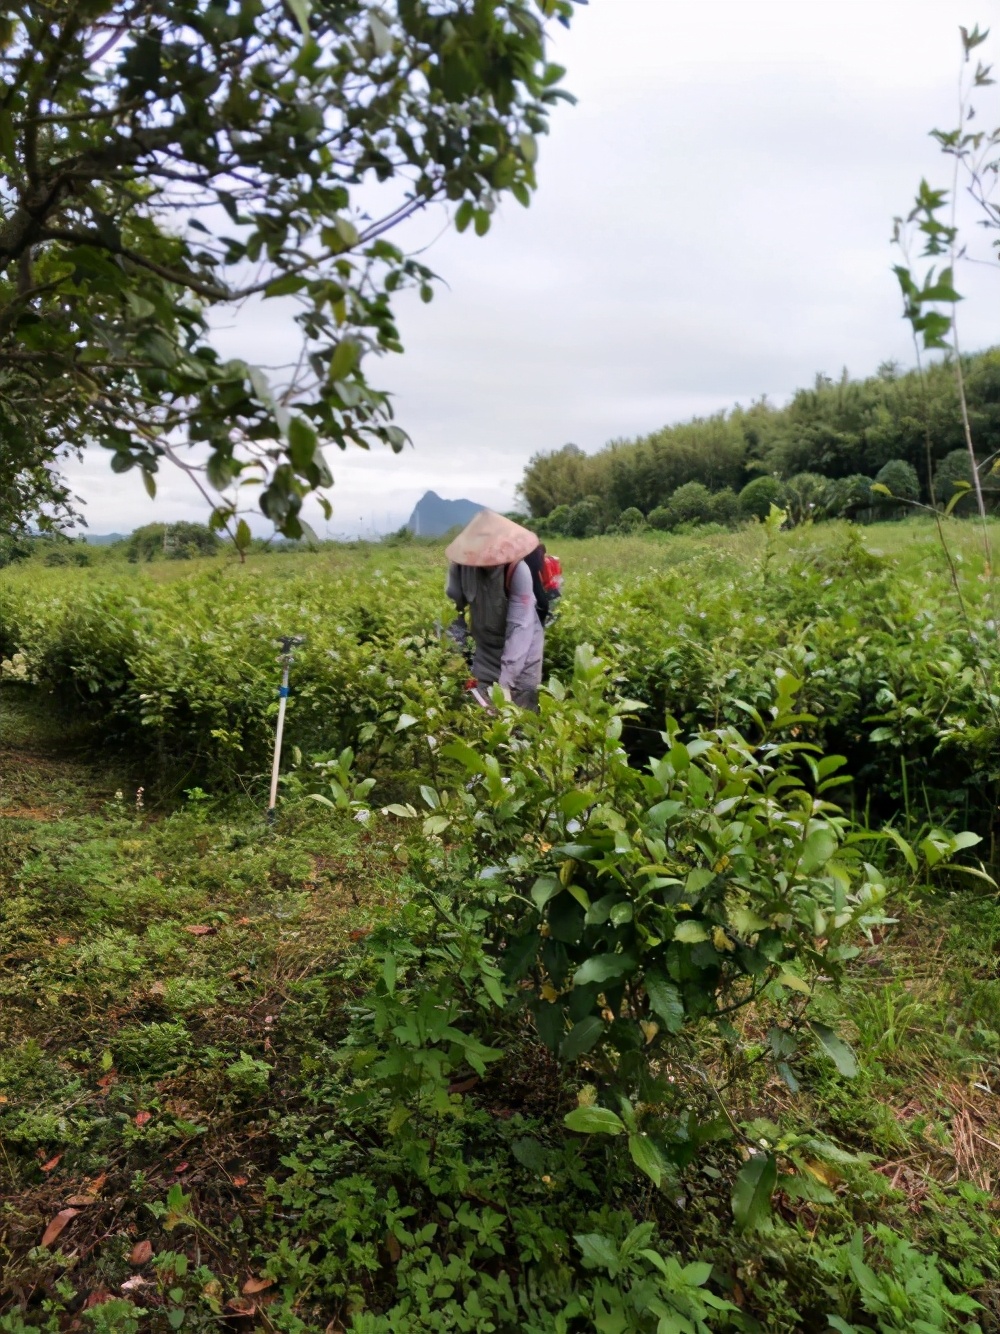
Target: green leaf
(598, 1251)
(458, 750)
(301, 10)
(836, 1048)
(690, 933)
(302, 442)
(646, 1157)
(603, 967)
(581, 1038)
(405, 720)
(753, 1189)
(664, 1000)
(573, 804)
(546, 887)
(345, 357)
(796, 983)
(593, 1121)
(904, 847)
(842, 1326)
(817, 850)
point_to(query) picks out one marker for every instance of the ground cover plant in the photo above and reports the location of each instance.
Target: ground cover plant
(649, 1013)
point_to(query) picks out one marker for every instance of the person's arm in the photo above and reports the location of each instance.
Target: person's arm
(453, 588)
(521, 622)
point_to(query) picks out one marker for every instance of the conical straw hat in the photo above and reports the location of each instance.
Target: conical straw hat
(490, 539)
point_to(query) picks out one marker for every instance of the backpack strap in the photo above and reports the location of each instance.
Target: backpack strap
(508, 576)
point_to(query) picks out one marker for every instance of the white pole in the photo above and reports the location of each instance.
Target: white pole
(283, 697)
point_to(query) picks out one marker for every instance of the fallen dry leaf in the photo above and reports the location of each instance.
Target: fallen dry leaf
(243, 921)
(52, 1164)
(92, 1191)
(464, 1085)
(135, 1282)
(3, 1097)
(63, 1217)
(393, 1247)
(64, 940)
(240, 1181)
(142, 1118)
(201, 930)
(141, 1253)
(97, 1298)
(823, 1173)
(253, 1285)
(106, 1080)
(181, 1167)
(241, 1306)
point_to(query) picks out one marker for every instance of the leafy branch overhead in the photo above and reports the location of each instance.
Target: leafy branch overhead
(163, 160)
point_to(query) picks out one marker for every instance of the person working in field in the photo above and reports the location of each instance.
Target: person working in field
(496, 571)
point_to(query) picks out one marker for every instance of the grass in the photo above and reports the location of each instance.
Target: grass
(153, 965)
(167, 975)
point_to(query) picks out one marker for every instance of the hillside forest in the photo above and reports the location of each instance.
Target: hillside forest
(817, 457)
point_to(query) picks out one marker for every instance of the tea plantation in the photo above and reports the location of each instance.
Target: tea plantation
(674, 1008)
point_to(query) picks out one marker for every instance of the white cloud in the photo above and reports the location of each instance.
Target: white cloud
(712, 224)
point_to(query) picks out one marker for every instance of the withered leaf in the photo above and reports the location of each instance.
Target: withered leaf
(52, 1164)
(141, 1253)
(201, 930)
(393, 1247)
(142, 1118)
(53, 1230)
(253, 1285)
(240, 1181)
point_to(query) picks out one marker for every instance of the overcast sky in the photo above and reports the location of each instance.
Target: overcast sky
(712, 224)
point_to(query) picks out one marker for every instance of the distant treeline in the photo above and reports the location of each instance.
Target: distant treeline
(818, 457)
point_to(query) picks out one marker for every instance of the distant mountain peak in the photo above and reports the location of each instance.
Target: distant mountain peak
(433, 516)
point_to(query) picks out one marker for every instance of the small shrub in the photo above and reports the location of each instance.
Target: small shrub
(806, 497)
(152, 1049)
(850, 497)
(725, 507)
(585, 518)
(631, 520)
(949, 476)
(758, 496)
(690, 503)
(901, 479)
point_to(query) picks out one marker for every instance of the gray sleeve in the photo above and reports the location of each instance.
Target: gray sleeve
(453, 588)
(522, 619)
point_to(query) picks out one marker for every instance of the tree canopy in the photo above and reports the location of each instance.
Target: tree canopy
(819, 454)
(162, 159)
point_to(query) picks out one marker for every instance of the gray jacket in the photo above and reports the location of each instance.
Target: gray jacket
(508, 635)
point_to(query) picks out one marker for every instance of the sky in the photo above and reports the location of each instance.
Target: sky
(712, 224)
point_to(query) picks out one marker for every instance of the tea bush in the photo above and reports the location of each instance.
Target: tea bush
(186, 668)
